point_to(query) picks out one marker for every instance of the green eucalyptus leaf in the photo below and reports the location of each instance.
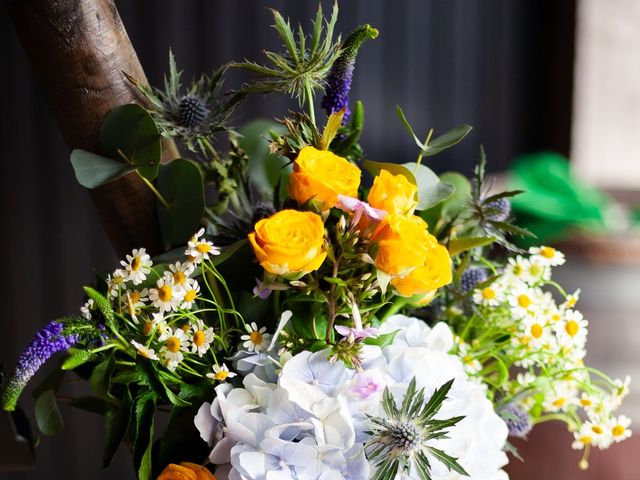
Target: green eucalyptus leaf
(394, 168)
(447, 140)
(47, 413)
(76, 358)
(180, 183)
(94, 170)
(265, 168)
(461, 196)
(129, 131)
(116, 424)
(408, 126)
(90, 404)
(431, 191)
(459, 245)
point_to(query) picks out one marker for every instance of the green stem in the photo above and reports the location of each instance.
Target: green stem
(421, 154)
(395, 307)
(309, 97)
(156, 192)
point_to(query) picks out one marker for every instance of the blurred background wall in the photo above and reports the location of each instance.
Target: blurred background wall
(503, 66)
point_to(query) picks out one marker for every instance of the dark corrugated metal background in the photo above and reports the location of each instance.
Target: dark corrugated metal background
(503, 66)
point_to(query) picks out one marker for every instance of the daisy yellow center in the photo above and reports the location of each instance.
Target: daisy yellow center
(134, 297)
(468, 359)
(535, 270)
(203, 248)
(221, 375)
(488, 293)
(173, 344)
(617, 431)
(186, 327)
(572, 328)
(135, 263)
(255, 338)
(571, 302)
(585, 402)
(179, 277)
(148, 326)
(559, 402)
(586, 439)
(536, 330)
(199, 338)
(518, 270)
(190, 296)
(165, 293)
(548, 252)
(597, 429)
(555, 317)
(524, 301)
(525, 340)
(144, 353)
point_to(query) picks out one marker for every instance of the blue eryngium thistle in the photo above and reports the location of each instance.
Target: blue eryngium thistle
(518, 420)
(472, 277)
(336, 95)
(400, 442)
(47, 342)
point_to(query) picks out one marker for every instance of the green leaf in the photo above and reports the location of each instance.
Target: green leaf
(227, 252)
(334, 122)
(143, 443)
(180, 439)
(48, 416)
(265, 168)
(461, 196)
(435, 402)
(101, 378)
(76, 358)
(459, 245)
(103, 305)
(448, 461)
(431, 191)
(90, 404)
(150, 378)
(116, 424)
(180, 183)
(447, 140)
(383, 340)
(94, 170)
(408, 126)
(396, 169)
(52, 381)
(509, 228)
(129, 130)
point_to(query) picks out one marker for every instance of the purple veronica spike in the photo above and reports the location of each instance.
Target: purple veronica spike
(339, 82)
(47, 342)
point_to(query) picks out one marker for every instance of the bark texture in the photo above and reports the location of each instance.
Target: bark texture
(78, 50)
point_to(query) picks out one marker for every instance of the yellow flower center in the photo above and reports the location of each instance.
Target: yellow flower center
(135, 263)
(165, 293)
(488, 293)
(586, 439)
(524, 340)
(179, 277)
(572, 328)
(555, 317)
(147, 328)
(255, 337)
(190, 296)
(585, 402)
(535, 270)
(199, 338)
(468, 359)
(617, 430)
(518, 270)
(203, 247)
(536, 330)
(571, 302)
(597, 429)
(559, 402)
(173, 344)
(144, 353)
(221, 375)
(134, 297)
(524, 301)
(548, 252)
(186, 327)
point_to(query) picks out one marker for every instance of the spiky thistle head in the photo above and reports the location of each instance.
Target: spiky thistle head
(400, 442)
(336, 95)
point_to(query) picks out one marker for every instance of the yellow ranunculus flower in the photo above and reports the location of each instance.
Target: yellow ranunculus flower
(289, 242)
(322, 175)
(402, 244)
(393, 193)
(433, 274)
(186, 471)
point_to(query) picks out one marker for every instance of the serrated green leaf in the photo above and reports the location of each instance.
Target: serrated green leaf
(460, 245)
(435, 402)
(129, 130)
(145, 411)
(450, 462)
(513, 229)
(180, 183)
(76, 358)
(93, 170)
(48, 415)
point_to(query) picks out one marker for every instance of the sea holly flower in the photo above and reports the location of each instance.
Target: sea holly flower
(137, 266)
(47, 342)
(321, 176)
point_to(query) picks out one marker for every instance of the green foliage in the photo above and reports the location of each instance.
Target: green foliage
(76, 358)
(460, 245)
(93, 170)
(346, 144)
(431, 190)
(180, 183)
(116, 424)
(48, 416)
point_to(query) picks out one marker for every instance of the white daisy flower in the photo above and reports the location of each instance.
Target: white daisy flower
(202, 338)
(621, 389)
(601, 435)
(158, 324)
(489, 296)
(181, 272)
(199, 249)
(572, 331)
(133, 302)
(571, 300)
(548, 255)
(537, 271)
(619, 428)
(221, 373)
(583, 437)
(561, 395)
(537, 332)
(115, 282)
(256, 340)
(171, 352)
(85, 310)
(167, 297)
(137, 266)
(523, 301)
(145, 352)
(191, 292)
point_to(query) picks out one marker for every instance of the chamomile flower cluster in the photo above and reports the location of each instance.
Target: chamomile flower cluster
(544, 343)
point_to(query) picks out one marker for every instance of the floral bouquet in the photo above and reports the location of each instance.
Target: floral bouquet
(319, 324)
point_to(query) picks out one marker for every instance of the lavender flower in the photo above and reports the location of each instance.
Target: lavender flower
(46, 343)
(338, 86)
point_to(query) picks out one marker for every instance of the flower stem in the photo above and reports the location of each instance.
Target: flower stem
(156, 192)
(309, 98)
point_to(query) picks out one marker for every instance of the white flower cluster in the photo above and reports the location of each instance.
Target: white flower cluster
(313, 423)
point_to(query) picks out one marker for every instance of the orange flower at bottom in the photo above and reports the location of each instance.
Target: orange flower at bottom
(186, 471)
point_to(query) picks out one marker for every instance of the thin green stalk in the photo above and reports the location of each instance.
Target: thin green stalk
(309, 98)
(156, 192)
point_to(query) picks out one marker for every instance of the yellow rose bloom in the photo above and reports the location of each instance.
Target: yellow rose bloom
(186, 471)
(289, 242)
(393, 193)
(433, 274)
(322, 175)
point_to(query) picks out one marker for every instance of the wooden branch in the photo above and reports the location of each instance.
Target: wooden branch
(78, 50)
